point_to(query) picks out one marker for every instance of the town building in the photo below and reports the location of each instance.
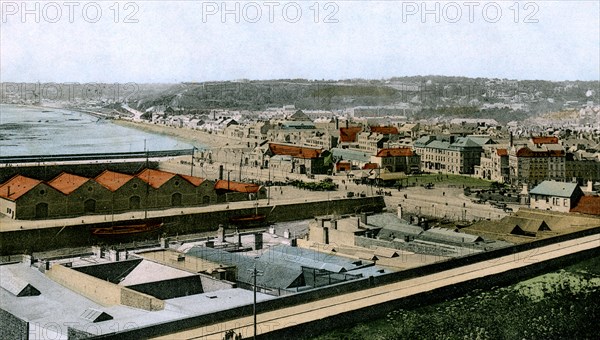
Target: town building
(398, 160)
(555, 196)
(68, 195)
(451, 155)
(537, 161)
(493, 165)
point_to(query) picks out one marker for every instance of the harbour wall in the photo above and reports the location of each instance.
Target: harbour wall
(44, 239)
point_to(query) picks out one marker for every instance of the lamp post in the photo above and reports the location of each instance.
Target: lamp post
(255, 273)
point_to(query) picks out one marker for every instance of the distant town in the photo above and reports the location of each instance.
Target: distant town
(299, 206)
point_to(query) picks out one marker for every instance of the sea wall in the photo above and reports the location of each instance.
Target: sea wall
(43, 239)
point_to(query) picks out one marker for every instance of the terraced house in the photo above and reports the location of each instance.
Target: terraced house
(450, 154)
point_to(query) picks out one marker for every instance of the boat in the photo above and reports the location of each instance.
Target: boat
(248, 220)
(128, 229)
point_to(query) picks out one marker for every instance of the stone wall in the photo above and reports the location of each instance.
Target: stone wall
(27, 241)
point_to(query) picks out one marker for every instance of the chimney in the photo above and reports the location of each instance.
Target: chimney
(347, 122)
(589, 187)
(400, 211)
(510, 139)
(337, 123)
(363, 218)
(258, 241)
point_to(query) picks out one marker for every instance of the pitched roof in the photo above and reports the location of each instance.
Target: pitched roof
(112, 180)
(196, 181)
(553, 188)
(588, 205)
(370, 166)
(385, 130)
(395, 152)
(502, 152)
(237, 186)
(527, 152)
(155, 178)
(17, 187)
(294, 151)
(544, 140)
(67, 183)
(349, 134)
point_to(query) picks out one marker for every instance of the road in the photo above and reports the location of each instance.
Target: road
(305, 313)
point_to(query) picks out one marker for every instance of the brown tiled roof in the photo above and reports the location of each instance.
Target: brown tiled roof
(67, 183)
(395, 152)
(385, 130)
(196, 181)
(155, 178)
(237, 186)
(294, 151)
(588, 205)
(502, 152)
(112, 180)
(527, 152)
(348, 135)
(17, 187)
(370, 166)
(544, 140)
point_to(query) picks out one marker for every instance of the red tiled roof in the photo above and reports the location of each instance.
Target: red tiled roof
(348, 135)
(343, 166)
(294, 151)
(67, 183)
(155, 178)
(196, 181)
(385, 130)
(588, 205)
(370, 166)
(544, 140)
(502, 152)
(17, 187)
(395, 152)
(112, 180)
(237, 186)
(527, 152)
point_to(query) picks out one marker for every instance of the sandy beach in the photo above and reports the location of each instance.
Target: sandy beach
(195, 137)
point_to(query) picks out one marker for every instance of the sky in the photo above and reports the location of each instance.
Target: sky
(180, 41)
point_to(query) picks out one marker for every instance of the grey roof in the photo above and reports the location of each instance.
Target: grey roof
(95, 315)
(553, 188)
(351, 155)
(446, 235)
(273, 276)
(295, 257)
(15, 285)
(392, 224)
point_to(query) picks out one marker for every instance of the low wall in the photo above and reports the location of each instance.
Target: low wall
(43, 239)
(100, 291)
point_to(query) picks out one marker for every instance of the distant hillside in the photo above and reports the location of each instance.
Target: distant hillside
(424, 96)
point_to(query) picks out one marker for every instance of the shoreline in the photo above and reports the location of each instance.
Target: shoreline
(207, 140)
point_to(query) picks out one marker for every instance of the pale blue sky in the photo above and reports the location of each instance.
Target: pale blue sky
(176, 41)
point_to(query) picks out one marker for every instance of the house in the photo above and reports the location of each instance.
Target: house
(397, 160)
(555, 196)
(228, 191)
(451, 155)
(304, 160)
